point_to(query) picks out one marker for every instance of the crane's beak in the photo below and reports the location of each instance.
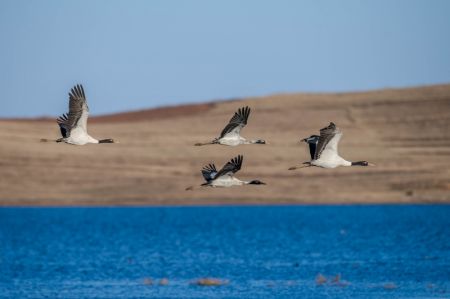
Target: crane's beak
(370, 164)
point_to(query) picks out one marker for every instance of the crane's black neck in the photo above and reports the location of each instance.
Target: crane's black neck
(360, 163)
(109, 140)
(259, 141)
(256, 182)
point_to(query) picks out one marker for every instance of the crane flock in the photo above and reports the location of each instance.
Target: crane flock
(323, 148)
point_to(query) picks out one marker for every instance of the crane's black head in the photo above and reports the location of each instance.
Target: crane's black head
(256, 182)
(362, 163)
(109, 140)
(311, 139)
(260, 141)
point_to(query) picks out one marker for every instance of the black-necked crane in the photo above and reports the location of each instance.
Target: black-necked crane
(230, 135)
(225, 176)
(73, 125)
(324, 150)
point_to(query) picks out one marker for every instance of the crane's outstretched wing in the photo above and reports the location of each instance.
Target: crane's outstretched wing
(61, 121)
(231, 167)
(328, 140)
(78, 111)
(209, 172)
(237, 122)
(312, 141)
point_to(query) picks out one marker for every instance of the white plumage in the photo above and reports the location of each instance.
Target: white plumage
(230, 135)
(73, 125)
(324, 150)
(225, 176)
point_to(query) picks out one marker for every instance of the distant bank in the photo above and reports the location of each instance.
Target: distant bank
(404, 131)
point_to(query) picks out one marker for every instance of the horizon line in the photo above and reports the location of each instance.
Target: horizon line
(231, 99)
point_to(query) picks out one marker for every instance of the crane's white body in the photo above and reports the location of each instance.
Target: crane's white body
(79, 134)
(227, 181)
(331, 163)
(230, 135)
(79, 137)
(225, 176)
(329, 157)
(231, 139)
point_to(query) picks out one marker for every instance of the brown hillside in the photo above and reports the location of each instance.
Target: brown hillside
(405, 132)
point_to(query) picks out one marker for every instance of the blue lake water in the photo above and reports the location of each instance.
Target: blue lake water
(262, 252)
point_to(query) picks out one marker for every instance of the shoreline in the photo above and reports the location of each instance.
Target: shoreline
(256, 203)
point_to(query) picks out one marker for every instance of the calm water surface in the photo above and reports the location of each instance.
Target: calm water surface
(263, 252)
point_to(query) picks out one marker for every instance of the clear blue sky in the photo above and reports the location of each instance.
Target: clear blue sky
(140, 54)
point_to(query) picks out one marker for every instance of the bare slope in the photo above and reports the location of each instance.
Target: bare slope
(405, 132)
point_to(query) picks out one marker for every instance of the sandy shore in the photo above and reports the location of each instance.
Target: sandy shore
(406, 132)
